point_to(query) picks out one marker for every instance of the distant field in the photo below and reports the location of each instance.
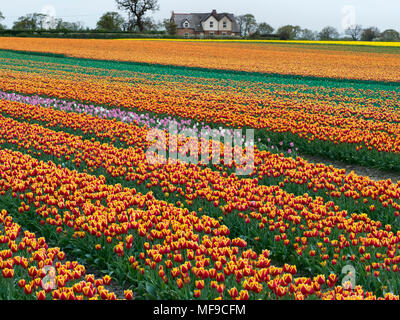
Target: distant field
(349, 45)
(337, 60)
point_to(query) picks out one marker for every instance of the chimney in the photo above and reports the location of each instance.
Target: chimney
(214, 12)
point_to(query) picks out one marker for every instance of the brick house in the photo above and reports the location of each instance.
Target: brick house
(205, 25)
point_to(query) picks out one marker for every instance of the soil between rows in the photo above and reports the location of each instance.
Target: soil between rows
(373, 174)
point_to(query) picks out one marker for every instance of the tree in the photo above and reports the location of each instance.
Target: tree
(40, 19)
(149, 24)
(354, 32)
(264, 28)
(111, 21)
(390, 35)
(288, 32)
(69, 26)
(307, 34)
(1, 18)
(328, 33)
(247, 24)
(137, 10)
(31, 21)
(129, 25)
(240, 21)
(159, 26)
(170, 26)
(370, 34)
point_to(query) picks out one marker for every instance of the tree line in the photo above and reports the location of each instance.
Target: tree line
(329, 33)
(250, 28)
(138, 20)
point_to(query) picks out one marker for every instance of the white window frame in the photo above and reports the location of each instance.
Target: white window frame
(224, 34)
(186, 35)
(211, 24)
(186, 24)
(211, 34)
(224, 24)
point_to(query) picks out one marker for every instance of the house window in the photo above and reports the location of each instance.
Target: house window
(211, 34)
(211, 24)
(224, 33)
(224, 25)
(186, 35)
(186, 24)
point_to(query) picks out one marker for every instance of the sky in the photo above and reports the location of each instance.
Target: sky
(311, 14)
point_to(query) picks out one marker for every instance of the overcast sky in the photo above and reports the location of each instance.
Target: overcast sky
(312, 14)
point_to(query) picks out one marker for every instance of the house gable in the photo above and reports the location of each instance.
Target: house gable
(210, 24)
(186, 24)
(225, 24)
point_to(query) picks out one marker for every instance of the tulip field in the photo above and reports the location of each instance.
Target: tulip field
(78, 193)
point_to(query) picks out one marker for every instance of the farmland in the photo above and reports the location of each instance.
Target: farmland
(77, 189)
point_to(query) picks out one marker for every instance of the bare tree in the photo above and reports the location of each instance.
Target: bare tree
(137, 10)
(248, 24)
(354, 31)
(241, 22)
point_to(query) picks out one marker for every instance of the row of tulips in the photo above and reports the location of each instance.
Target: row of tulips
(312, 233)
(142, 119)
(30, 269)
(179, 251)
